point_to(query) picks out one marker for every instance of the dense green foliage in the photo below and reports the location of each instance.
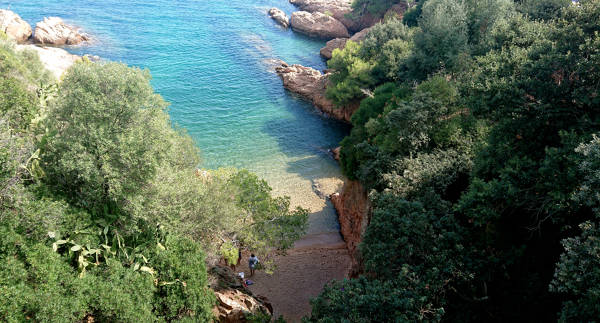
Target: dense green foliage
(103, 214)
(372, 6)
(474, 143)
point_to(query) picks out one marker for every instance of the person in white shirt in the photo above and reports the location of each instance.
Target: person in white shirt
(252, 262)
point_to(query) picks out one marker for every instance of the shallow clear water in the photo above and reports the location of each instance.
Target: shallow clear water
(212, 60)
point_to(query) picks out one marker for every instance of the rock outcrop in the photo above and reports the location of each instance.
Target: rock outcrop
(340, 43)
(354, 214)
(13, 26)
(338, 9)
(317, 24)
(361, 35)
(234, 301)
(279, 16)
(54, 31)
(312, 84)
(336, 153)
(327, 51)
(56, 60)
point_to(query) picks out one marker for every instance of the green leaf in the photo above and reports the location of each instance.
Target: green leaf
(76, 248)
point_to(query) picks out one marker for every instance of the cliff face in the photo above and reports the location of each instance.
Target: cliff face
(354, 213)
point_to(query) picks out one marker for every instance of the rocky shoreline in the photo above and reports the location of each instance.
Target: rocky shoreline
(50, 32)
(312, 84)
(333, 20)
(325, 19)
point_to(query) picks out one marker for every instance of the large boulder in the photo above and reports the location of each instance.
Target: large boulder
(318, 24)
(54, 31)
(280, 17)
(13, 26)
(338, 9)
(361, 35)
(327, 51)
(312, 84)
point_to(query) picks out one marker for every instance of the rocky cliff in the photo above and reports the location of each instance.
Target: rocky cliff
(354, 214)
(312, 84)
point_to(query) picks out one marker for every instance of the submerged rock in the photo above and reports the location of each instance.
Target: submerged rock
(54, 31)
(56, 60)
(13, 26)
(318, 24)
(280, 17)
(312, 84)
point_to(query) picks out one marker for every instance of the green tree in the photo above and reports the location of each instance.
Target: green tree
(106, 135)
(442, 42)
(351, 75)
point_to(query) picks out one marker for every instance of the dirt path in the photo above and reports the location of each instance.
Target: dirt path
(302, 273)
(316, 259)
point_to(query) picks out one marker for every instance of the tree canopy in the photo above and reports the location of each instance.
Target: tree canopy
(478, 151)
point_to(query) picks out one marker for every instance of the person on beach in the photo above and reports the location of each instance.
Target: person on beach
(252, 262)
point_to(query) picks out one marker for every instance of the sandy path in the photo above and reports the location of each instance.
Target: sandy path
(316, 259)
(301, 274)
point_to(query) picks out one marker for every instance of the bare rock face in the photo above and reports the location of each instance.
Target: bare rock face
(54, 31)
(234, 301)
(340, 43)
(338, 9)
(318, 24)
(280, 17)
(55, 60)
(312, 84)
(327, 51)
(354, 214)
(13, 26)
(361, 35)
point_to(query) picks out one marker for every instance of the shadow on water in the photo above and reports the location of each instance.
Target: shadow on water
(308, 149)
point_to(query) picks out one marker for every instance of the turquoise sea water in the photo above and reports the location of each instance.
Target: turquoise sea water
(212, 60)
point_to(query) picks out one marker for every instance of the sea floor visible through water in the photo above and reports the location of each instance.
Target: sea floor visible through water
(213, 61)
